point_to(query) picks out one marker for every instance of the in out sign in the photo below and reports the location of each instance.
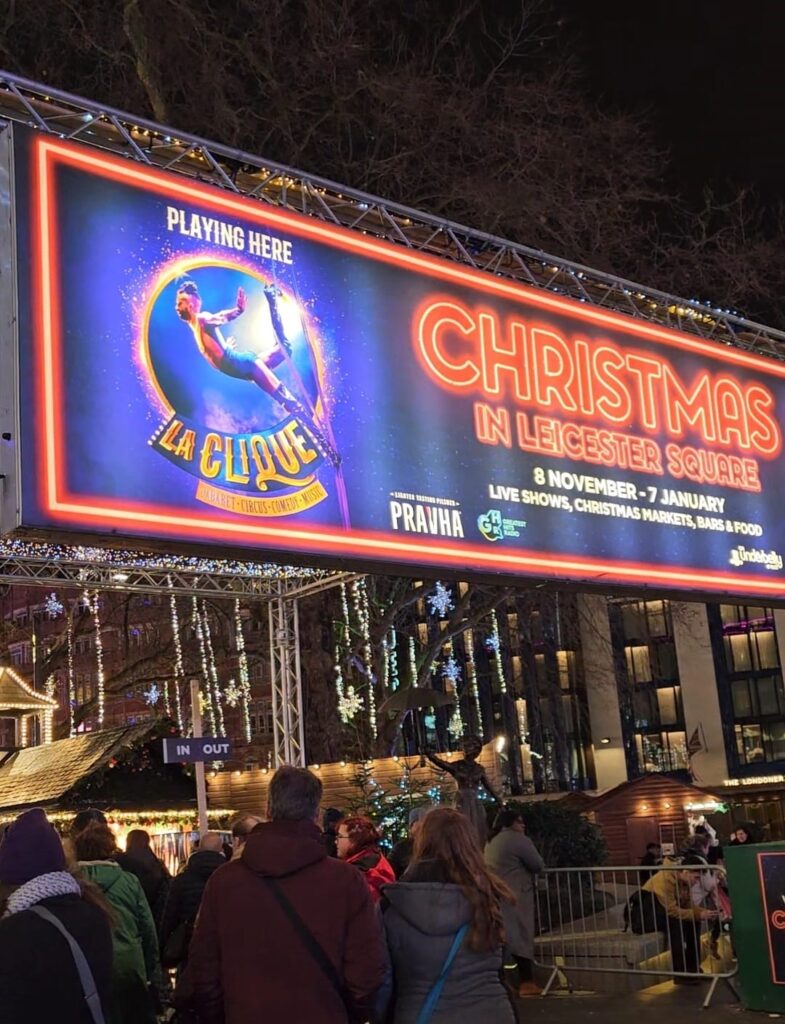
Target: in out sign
(202, 748)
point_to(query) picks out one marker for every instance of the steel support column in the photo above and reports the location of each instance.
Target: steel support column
(288, 738)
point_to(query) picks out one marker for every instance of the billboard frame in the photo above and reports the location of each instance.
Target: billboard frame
(100, 127)
(10, 484)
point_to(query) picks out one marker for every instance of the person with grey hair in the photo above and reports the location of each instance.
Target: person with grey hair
(401, 853)
(242, 827)
(285, 904)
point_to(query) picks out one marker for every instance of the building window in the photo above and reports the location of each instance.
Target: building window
(647, 674)
(261, 715)
(750, 685)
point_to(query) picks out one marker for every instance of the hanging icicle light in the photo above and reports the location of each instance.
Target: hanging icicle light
(70, 685)
(412, 662)
(206, 703)
(215, 686)
(471, 676)
(99, 653)
(245, 683)
(496, 646)
(179, 671)
(392, 647)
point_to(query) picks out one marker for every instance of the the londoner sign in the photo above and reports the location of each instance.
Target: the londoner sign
(189, 750)
(202, 369)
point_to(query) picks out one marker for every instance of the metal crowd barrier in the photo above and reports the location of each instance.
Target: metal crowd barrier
(602, 922)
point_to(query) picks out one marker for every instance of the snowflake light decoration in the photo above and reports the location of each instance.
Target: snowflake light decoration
(53, 606)
(493, 642)
(440, 601)
(455, 726)
(152, 696)
(232, 694)
(451, 670)
(349, 704)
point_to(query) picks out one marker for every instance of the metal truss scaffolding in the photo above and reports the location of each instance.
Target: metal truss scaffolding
(33, 564)
(288, 738)
(93, 124)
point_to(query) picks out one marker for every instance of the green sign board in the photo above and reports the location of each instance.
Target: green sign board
(756, 882)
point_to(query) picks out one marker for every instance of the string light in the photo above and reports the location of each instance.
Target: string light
(148, 561)
(471, 675)
(496, 647)
(338, 676)
(245, 683)
(412, 662)
(71, 688)
(53, 606)
(206, 703)
(216, 691)
(392, 647)
(362, 609)
(179, 671)
(99, 655)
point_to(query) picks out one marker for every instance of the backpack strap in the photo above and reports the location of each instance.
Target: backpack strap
(85, 974)
(324, 963)
(433, 996)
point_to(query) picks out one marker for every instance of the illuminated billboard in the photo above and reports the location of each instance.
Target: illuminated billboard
(203, 369)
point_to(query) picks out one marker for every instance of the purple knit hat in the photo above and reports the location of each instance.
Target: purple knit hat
(30, 847)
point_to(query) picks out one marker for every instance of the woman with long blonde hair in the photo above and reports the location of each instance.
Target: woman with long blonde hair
(444, 929)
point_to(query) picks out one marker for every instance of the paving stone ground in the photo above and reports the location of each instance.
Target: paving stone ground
(660, 1004)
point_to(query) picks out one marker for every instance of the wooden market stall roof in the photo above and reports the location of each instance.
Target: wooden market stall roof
(16, 697)
(40, 776)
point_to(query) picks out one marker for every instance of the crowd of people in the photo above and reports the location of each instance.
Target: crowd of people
(296, 922)
(290, 922)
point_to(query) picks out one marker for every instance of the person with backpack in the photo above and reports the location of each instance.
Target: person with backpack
(45, 910)
(445, 929)
(185, 897)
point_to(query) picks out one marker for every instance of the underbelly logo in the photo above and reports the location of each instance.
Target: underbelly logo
(240, 379)
(771, 560)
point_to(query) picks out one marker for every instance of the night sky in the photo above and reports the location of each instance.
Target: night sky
(710, 74)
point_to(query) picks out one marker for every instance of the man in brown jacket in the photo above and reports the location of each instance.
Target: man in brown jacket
(285, 933)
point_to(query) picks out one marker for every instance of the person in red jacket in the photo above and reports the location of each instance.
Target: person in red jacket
(285, 933)
(358, 844)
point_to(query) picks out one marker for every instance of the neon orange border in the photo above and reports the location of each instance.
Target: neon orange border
(765, 902)
(164, 521)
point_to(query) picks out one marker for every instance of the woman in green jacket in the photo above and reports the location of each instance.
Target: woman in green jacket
(135, 966)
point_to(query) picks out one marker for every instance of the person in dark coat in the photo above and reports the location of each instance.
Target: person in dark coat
(515, 859)
(185, 897)
(140, 860)
(248, 961)
(401, 854)
(39, 980)
(447, 888)
(331, 819)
